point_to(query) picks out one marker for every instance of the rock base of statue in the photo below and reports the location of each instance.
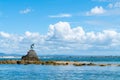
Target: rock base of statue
(31, 56)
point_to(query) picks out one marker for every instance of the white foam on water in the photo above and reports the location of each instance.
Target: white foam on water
(9, 57)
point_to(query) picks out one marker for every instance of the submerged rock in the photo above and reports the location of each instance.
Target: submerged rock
(31, 56)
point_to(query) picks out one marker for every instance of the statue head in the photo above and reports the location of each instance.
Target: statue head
(31, 47)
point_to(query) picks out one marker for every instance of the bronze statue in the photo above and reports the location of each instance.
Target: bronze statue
(31, 47)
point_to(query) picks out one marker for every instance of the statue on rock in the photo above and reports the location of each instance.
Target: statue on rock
(31, 55)
(31, 47)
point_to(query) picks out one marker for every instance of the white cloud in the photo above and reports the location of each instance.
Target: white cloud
(61, 38)
(29, 34)
(25, 11)
(114, 5)
(3, 34)
(60, 16)
(63, 31)
(96, 11)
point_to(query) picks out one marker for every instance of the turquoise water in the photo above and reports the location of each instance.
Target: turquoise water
(49, 72)
(68, 72)
(82, 58)
(114, 59)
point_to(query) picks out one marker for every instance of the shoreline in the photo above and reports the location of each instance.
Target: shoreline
(26, 62)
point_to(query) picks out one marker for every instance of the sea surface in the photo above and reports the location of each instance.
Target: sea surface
(62, 72)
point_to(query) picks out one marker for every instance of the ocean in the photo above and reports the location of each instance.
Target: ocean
(62, 72)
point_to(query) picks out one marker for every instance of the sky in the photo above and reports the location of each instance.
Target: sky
(72, 27)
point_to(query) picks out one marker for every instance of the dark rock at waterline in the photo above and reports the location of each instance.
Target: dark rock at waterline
(25, 62)
(79, 64)
(31, 56)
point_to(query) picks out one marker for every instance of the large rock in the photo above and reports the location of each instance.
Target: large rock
(31, 56)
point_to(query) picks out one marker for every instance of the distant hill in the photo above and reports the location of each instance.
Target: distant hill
(2, 54)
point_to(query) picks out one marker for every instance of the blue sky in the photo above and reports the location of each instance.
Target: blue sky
(82, 27)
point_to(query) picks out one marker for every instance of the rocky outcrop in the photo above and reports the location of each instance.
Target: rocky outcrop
(31, 56)
(25, 62)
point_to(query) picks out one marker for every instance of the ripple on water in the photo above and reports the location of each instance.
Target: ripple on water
(50, 72)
